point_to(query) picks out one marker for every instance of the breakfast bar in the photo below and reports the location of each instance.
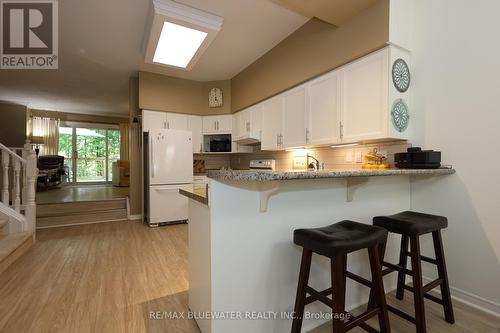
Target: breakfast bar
(243, 264)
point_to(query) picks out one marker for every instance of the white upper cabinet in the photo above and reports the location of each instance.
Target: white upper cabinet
(294, 117)
(272, 123)
(218, 124)
(256, 118)
(177, 121)
(324, 109)
(153, 120)
(245, 117)
(195, 125)
(365, 89)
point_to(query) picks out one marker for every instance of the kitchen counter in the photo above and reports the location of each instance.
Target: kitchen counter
(263, 175)
(198, 194)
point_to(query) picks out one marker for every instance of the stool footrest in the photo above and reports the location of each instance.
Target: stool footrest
(391, 268)
(319, 296)
(426, 295)
(401, 314)
(424, 258)
(359, 279)
(356, 321)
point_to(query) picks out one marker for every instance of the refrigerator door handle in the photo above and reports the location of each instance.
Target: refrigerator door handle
(152, 158)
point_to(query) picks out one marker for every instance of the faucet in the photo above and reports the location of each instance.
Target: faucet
(316, 165)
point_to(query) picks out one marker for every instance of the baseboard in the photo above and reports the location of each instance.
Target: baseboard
(472, 300)
(135, 217)
(80, 223)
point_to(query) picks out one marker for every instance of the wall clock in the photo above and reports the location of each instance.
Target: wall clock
(400, 75)
(215, 98)
(400, 115)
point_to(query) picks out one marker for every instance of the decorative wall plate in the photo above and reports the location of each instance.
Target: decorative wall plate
(400, 75)
(400, 115)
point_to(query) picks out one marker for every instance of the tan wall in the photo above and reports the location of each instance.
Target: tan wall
(164, 93)
(311, 50)
(135, 151)
(64, 116)
(12, 124)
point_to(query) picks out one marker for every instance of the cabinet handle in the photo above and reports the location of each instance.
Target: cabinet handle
(215, 125)
(341, 130)
(168, 125)
(201, 147)
(307, 135)
(165, 124)
(248, 126)
(277, 140)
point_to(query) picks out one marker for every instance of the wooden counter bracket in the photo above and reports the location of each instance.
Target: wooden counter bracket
(352, 184)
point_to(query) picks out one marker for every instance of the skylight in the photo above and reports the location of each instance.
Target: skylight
(177, 45)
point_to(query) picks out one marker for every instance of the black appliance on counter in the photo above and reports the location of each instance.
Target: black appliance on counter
(416, 158)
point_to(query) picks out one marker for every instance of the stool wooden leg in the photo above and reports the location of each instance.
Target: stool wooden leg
(381, 253)
(443, 275)
(300, 299)
(402, 262)
(377, 292)
(418, 294)
(339, 268)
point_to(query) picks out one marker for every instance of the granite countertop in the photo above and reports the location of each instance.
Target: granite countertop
(198, 194)
(262, 176)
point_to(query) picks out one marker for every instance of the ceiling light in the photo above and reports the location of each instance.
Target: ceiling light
(345, 145)
(179, 34)
(177, 45)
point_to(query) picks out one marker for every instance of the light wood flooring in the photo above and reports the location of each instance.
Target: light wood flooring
(108, 278)
(81, 193)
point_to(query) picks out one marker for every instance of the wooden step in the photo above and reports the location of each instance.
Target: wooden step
(3, 223)
(79, 207)
(12, 246)
(81, 218)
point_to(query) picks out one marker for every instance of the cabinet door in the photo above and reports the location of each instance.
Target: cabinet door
(324, 110)
(294, 117)
(224, 123)
(236, 125)
(256, 118)
(210, 124)
(195, 126)
(364, 94)
(153, 120)
(272, 118)
(245, 120)
(177, 121)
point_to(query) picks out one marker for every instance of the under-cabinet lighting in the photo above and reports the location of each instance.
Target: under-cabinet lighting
(344, 145)
(177, 45)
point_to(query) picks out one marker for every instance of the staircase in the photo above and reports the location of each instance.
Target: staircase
(80, 212)
(17, 206)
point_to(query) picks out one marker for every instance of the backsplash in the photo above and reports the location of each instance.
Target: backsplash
(333, 158)
(214, 161)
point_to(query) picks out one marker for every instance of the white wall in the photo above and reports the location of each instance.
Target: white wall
(456, 76)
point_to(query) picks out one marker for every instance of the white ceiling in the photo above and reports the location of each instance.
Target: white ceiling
(101, 47)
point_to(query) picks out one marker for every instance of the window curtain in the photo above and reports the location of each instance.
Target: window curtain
(48, 128)
(124, 139)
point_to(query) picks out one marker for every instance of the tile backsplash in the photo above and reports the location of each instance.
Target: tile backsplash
(333, 158)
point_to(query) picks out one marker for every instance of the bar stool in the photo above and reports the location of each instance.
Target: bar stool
(335, 242)
(411, 225)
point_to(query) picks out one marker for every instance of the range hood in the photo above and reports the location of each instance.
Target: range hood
(249, 138)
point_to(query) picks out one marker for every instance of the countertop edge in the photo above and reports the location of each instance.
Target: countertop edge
(192, 195)
(263, 176)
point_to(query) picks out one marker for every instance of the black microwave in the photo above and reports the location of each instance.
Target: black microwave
(220, 144)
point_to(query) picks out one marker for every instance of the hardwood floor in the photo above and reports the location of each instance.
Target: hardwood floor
(81, 193)
(98, 278)
(108, 278)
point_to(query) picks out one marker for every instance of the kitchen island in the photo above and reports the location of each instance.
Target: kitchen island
(243, 265)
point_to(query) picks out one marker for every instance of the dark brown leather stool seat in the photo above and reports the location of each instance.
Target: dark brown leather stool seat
(336, 241)
(411, 223)
(340, 238)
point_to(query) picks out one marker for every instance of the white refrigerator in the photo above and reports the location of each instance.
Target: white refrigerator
(168, 167)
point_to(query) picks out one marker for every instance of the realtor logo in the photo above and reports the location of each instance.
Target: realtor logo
(29, 37)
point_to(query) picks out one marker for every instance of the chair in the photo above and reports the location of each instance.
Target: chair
(50, 170)
(121, 173)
